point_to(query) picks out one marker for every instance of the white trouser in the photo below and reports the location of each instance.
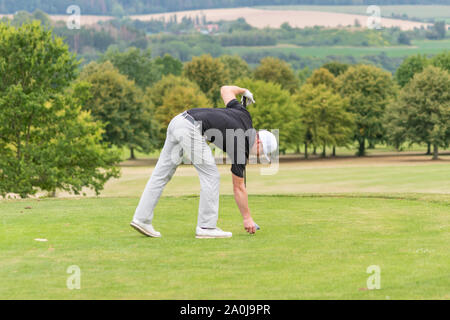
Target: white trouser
(183, 137)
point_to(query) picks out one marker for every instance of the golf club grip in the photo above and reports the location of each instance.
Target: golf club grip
(244, 102)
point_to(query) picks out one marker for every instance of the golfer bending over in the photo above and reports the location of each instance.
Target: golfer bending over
(228, 128)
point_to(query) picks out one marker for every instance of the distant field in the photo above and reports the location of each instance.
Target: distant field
(261, 18)
(422, 46)
(418, 11)
(298, 16)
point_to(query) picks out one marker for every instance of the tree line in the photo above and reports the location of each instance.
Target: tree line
(118, 7)
(62, 126)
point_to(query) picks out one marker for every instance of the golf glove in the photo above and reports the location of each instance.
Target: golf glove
(249, 96)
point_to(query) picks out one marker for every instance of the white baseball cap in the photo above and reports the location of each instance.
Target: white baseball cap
(269, 142)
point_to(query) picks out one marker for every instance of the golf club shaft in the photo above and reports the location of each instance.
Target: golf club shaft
(244, 102)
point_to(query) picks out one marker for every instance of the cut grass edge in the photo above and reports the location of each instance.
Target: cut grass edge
(427, 197)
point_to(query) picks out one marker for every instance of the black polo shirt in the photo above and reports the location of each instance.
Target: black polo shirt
(230, 129)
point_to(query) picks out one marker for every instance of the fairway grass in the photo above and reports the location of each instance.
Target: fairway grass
(389, 175)
(310, 247)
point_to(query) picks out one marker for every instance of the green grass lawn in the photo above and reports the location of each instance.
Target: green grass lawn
(349, 175)
(323, 223)
(309, 248)
(417, 46)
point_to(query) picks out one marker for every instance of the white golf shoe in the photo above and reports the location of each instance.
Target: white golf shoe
(201, 233)
(145, 229)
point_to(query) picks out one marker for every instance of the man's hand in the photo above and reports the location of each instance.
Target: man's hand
(240, 195)
(249, 225)
(249, 96)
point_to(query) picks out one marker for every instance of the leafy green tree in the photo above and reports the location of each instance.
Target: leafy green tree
(438, 31)
(321, 76)
(274, 109)
(286, 27)
(405, 72)
(422, 113)
(47, 142)
(303, 75)
(160, 89)
(442, 60)
(236, 66)
(335, 67)
(403, 38)
(176, 48)
(121, 105)
(278, 71)
(164, 109)
(21, 17)
(409, 67)
(209, 73)
(178, 99)
(42, 17)
(169, 65)
(136, 64)
(441, 28)
(324, 116)
(369, 90)
(117, 10)
(395, 120)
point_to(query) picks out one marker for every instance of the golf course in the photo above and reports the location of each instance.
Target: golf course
(323, 223)
(225, 153)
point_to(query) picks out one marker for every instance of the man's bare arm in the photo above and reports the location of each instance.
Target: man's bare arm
(229, 93)
(241, 197)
